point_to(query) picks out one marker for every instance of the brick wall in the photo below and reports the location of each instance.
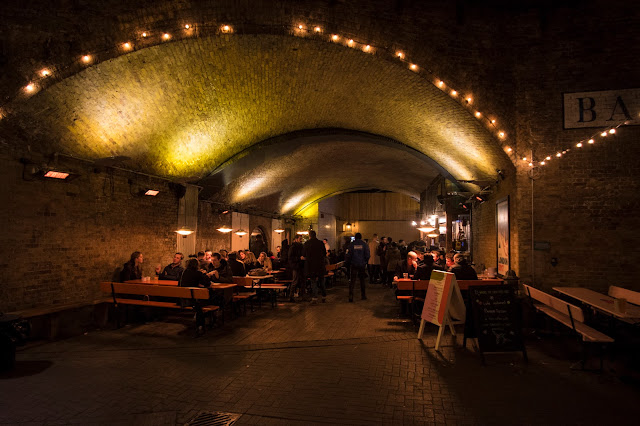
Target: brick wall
(60, 239)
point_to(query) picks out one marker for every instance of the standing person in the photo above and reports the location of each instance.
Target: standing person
(132, 270)
(357, 256)
(402, 246)
(284, 253)
(374, 259)
(313, 253)
(296, 266)
(327, 247)
(381, 252)
(392, 256)
(173, 271)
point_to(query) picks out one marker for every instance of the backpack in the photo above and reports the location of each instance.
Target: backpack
(257, 272)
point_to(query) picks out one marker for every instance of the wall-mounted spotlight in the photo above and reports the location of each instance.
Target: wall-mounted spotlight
(150, 192)
(479, 198)
(34, 171)
(465, 206)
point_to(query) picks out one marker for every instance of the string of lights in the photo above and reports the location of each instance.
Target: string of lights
(146, 38)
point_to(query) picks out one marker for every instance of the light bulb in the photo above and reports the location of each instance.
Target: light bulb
(317, 29)
(454, 93)
(300, 26)
(579, 144)
(559, 154)
(501, 134)
(45, 73)
(400, 55)
(591, 141)
(440, 83)
(166, 36)
(367, 48)
(612, 131)
(603, 134)
(548, 158)
(414, 67)
(126, 46)
(524, 158)
(187, 26)
(350, 42)
(509, 149)
(542, 163)
(86, 58)
(334, 37)
(144, 34)
(478, 114)
(469, 100)
(29, 87)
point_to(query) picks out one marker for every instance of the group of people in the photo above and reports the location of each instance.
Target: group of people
(384, 260)
(390, 260)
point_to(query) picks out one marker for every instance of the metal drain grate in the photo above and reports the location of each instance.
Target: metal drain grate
(214, 418)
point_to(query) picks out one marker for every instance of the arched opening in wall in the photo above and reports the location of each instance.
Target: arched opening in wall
(258, 241)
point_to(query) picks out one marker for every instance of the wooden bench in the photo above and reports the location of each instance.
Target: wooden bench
(197, 298)
(418, 289)
(622, 293)
(46, 321)
(567, 314)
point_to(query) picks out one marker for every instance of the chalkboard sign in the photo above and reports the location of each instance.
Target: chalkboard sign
(496, 319)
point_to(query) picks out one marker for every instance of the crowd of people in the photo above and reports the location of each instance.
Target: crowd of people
(381, 260)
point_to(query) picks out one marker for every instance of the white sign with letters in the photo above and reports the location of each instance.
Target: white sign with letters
(601, 109)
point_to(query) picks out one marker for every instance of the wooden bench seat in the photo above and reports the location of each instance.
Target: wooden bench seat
(198, 299)
(568, 315)
(622, 293)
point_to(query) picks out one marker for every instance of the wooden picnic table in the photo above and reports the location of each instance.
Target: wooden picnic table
(601, 302)
(154, 281)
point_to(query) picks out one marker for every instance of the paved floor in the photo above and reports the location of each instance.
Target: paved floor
(333, 363)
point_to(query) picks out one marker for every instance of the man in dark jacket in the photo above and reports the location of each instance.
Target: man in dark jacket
(173, 271)
(357, 256)
(221, 272)
(462, 270)
(314, 253)
(296, 266)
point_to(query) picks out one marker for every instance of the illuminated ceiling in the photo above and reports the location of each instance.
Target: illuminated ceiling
(183, 109)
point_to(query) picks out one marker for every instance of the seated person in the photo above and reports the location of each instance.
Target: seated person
(449, 260)
(193, 277)
(438, 261)
(221, 272)
(250, 261)
(462, 270)
(265, 262)
(424, 269)
(224, 254)
(237, 267)
(205, 262)
(132, 270)
(173, 271)
(408, 266)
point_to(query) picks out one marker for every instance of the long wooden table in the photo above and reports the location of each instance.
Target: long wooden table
(601, 302)
(154, 281)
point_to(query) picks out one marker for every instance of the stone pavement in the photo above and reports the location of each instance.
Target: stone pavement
(297, 364)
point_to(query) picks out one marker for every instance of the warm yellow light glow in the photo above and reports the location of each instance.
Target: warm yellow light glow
(185, 231)
(86, 59)
(350, 42)
(493, 121)
(454, 93)
(440, 83)
(414, 67)
(56, 175)
(426, 229)
(502, 134)
(335, 37)
(29, 87)
(278, 230)
(45, 73)
(126, 46)
(317, 29)
(603, 134)
(579, 144)
(241, 232)
(559, 154)
(478, 114)
(469, 100)
(414, 223)
(530, 164)
(509, 149)
(249, 187)
(612, 131)
(151, 192)
(144, 34)
(367, 48)
(524, 158)
(224, 229)
(400, 55)
(166, 36)
(226, 28)
(300, 26)
(187, 26)
(542, 163)
(548, 158)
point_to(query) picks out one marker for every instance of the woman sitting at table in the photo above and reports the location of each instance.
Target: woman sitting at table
(193, 277)
(408, 266)
(132, 270)
(265, 262)
(250, 261)
(237, 267)
(462, 270)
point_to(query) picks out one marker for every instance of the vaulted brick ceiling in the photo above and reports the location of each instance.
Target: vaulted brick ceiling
(184, 109)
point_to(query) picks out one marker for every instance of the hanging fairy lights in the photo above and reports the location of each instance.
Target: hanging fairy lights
(299, 29)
